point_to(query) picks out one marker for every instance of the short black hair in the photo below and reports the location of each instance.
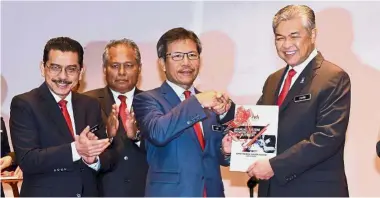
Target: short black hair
(64, 44)
(176, 34)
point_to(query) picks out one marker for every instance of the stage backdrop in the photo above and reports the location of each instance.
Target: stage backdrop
(238, 56)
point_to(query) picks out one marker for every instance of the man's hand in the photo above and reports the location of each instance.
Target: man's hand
(5, 162)
(18, 172)
(223, 105)
(88, 145)
(227, 143)
(210, 99)
(130, 125)
(113, 121)
(90, 160)
(261, 169)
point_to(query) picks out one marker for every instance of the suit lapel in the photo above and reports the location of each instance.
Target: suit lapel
(53, 112)
(106, 100)
(170, 95)
(303, 80)
(206, 123)
(278, 78)
(79, 111)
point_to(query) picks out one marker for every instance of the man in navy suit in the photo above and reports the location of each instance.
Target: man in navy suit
(184, 143)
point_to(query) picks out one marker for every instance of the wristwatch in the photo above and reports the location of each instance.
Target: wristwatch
(137, 136)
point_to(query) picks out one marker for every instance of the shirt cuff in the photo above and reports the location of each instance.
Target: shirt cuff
(95, 166)
(74, 152)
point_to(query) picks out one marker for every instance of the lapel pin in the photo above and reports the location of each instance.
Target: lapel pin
(302, 80)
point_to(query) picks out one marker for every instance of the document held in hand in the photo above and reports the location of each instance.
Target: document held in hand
(255, 129)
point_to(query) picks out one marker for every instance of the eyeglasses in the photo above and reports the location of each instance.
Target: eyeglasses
(178, 56)
(57, 69)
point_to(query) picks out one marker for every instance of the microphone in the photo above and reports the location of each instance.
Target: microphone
(378, 148)
(251, 183)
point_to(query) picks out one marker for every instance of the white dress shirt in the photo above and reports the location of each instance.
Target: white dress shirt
(299, 68)
(129, 101)
(129, 96)
(74, 151)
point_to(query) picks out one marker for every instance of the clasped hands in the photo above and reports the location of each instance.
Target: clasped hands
(89, 146)
(218, 102)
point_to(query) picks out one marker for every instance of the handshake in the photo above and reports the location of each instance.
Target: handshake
(218, 102)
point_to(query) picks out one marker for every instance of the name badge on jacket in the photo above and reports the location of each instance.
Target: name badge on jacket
(302, 98)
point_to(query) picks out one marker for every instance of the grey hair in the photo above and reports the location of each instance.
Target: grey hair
(293, 11)
(125, 42)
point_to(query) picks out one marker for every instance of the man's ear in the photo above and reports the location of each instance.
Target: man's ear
(42, 68)
(313, 35)
(82, 72)
(161, 64)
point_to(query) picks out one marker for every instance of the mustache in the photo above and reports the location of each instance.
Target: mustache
(61, 81)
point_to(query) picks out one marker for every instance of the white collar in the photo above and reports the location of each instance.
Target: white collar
(179, 90)
(129, 94)
(299, 68)
(58, 98)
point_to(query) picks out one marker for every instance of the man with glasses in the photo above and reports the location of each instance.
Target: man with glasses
(50, 128)
(122, 67)
(181, 125)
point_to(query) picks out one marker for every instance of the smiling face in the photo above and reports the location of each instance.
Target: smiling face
(61, 71)
(293, 42)
(181, 72)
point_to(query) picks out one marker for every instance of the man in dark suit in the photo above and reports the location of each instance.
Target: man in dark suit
(184, 141)
(314, 98)
(45, 123)
(122, 67)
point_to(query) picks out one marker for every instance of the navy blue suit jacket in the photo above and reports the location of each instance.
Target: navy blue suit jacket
(177, 164)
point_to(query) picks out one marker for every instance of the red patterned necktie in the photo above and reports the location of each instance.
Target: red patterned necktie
(198, 132)
(286, 87)
(63, 105)
(123, 108)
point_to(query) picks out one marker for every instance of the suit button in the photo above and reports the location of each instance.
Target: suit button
(61, 169)
(125, 157)
(55, 170)
(81, 169)
(127, 180)
(188, 122)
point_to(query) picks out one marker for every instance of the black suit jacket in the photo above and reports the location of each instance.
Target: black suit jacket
(311, 134)
(41, 140)
(127, 177)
